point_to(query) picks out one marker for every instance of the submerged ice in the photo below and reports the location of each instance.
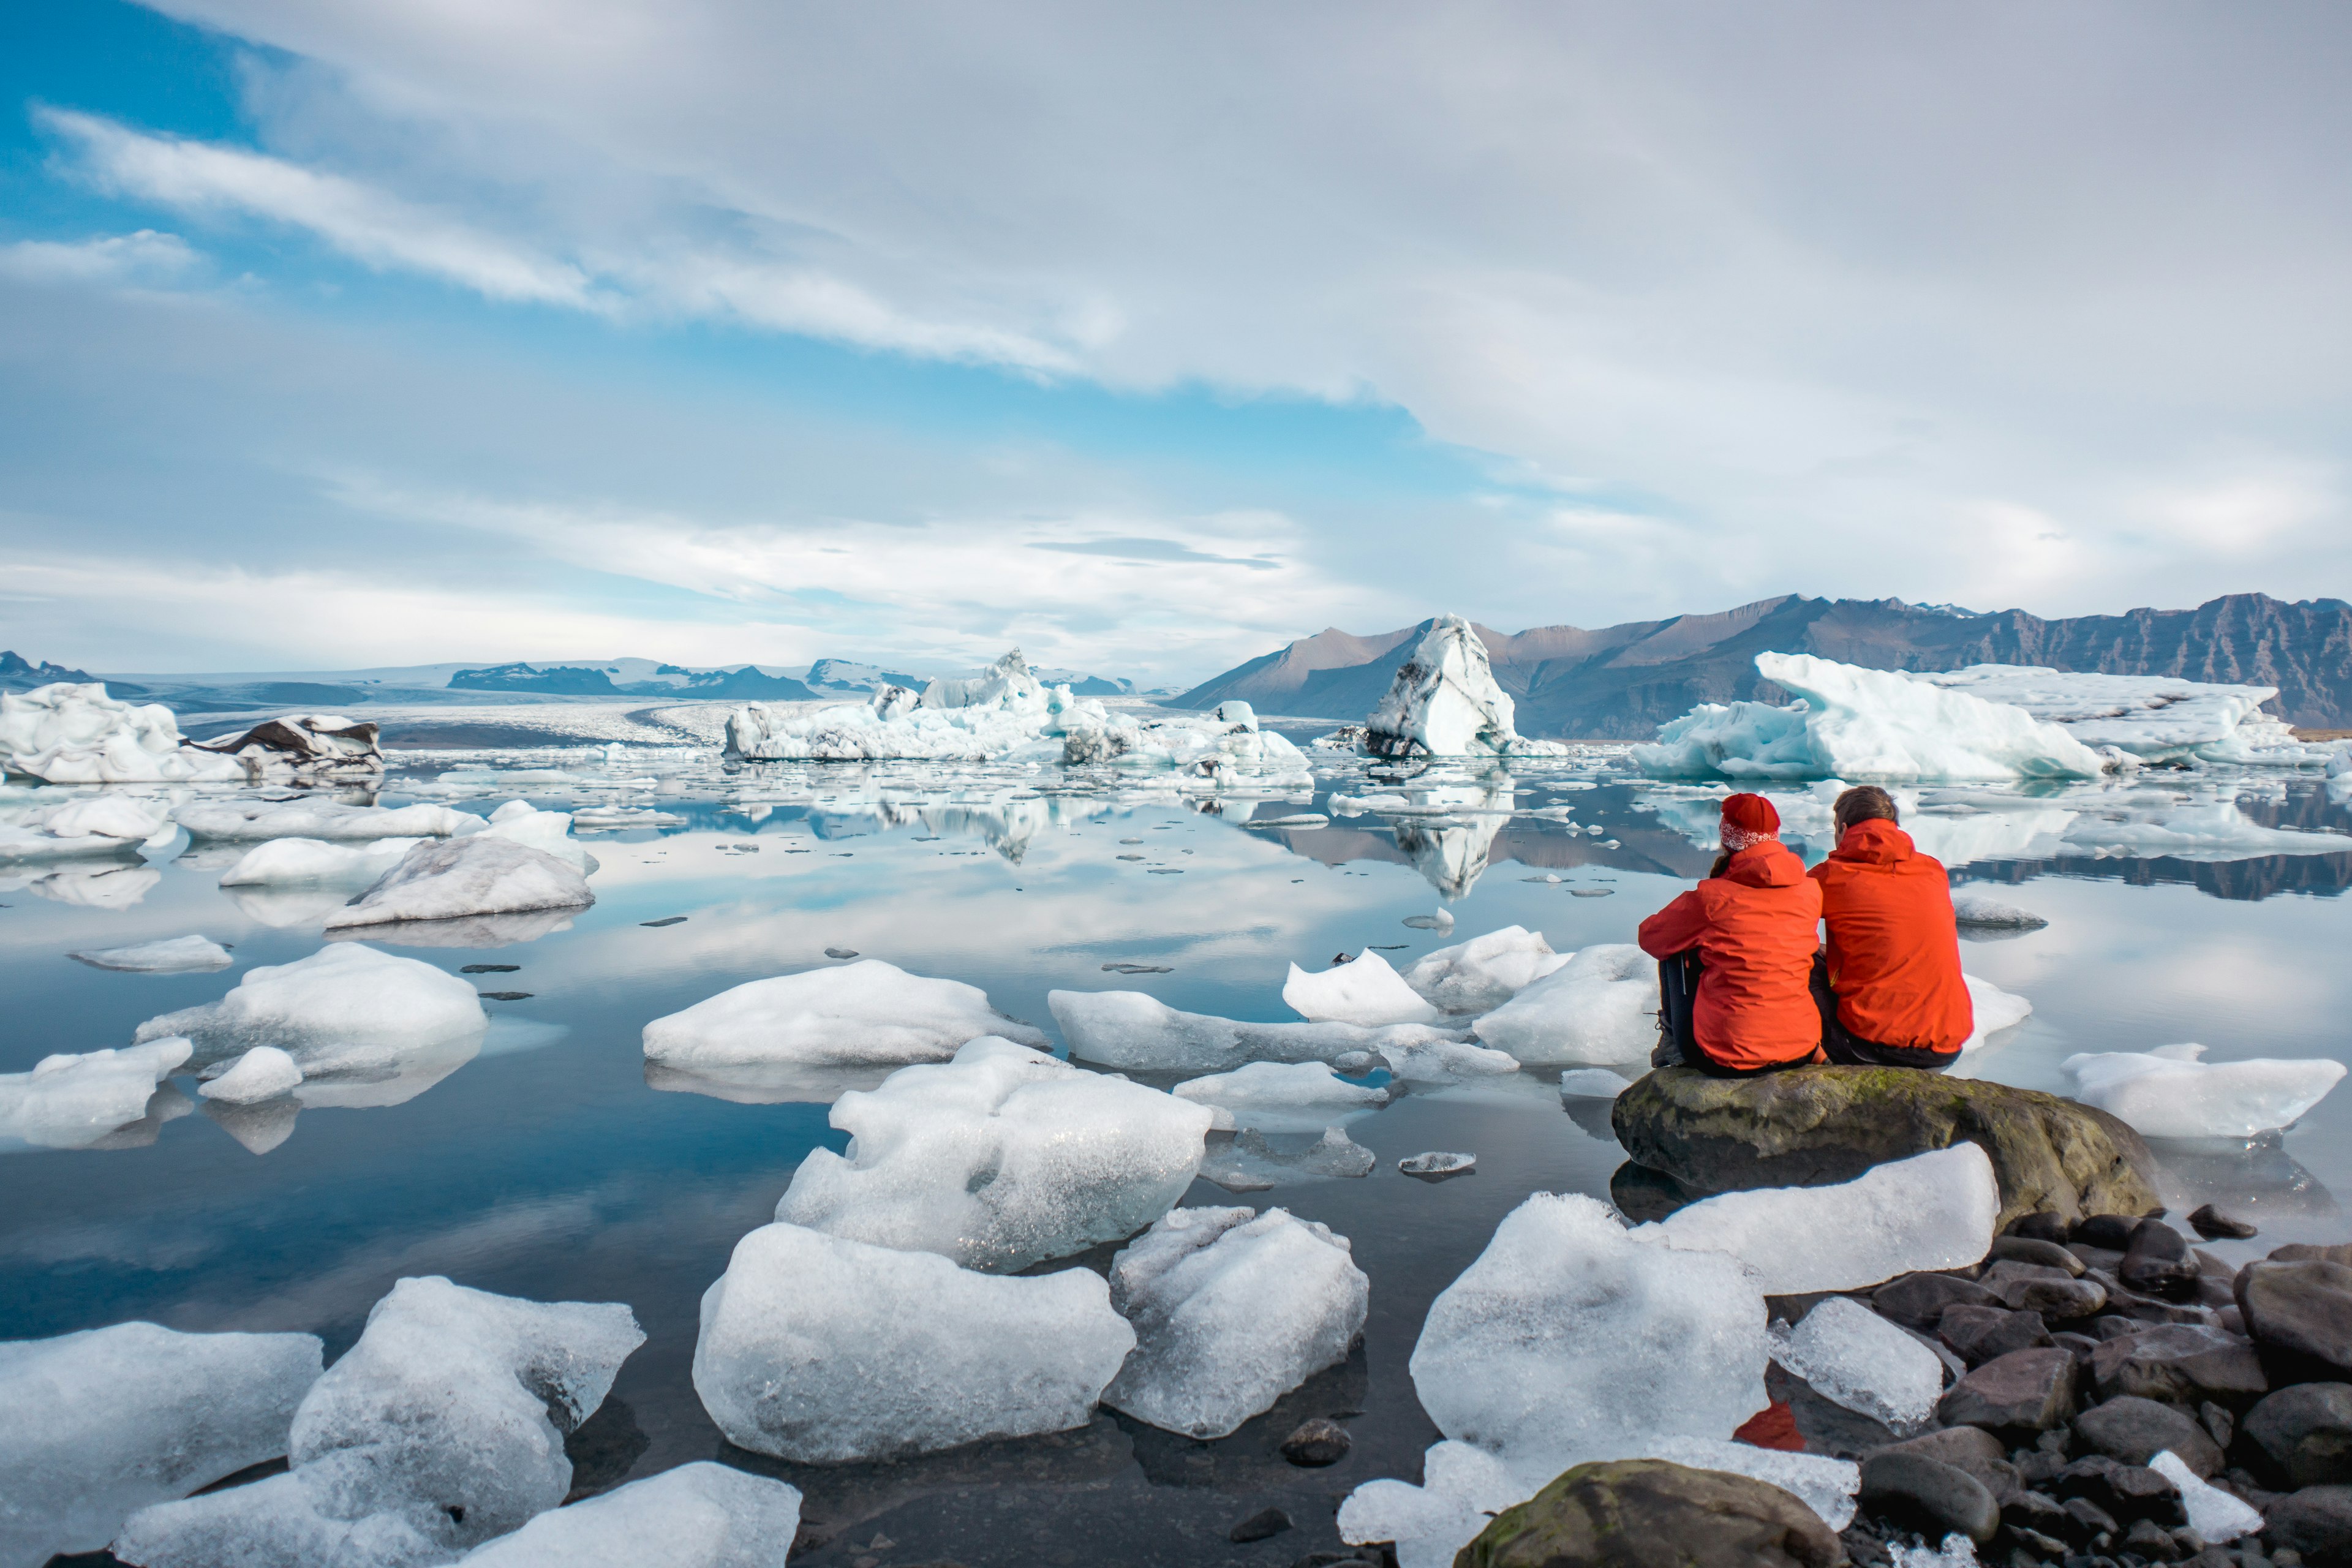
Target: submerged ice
(1135, 1029)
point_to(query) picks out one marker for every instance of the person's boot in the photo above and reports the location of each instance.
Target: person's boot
(1667, 1054)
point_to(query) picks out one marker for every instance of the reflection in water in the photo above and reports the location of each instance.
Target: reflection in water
(260, 1128)
(766, 1083)
(465, 931)
(116, 888)
(2252, 1178)
(166, 1104)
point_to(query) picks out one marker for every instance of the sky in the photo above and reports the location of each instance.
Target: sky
(337, 334)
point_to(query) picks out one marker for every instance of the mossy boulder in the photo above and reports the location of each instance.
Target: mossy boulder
(1813, 1126)
(1647, 1513)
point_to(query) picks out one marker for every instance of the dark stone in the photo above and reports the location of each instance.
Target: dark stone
(1978, 1335)
(2034, 1511)
(2082, 1346)
(2124, 1491)
(2053, 1292)
(2135, 1430)
(1259, 1526)
(2300, 1313)
(2316, 1522)
(2219, 1423)
(1317, 1442)
(2153, 1541)
(2306, 1252)
(2158, 1262)
(2036, 1546)
(2154, 1239)
(2180, 1363)
(2111, 1231)
(2212, 1223)
(1826, 1426)
(2026, 1249)
(1929, 1495)
(1646, 1513)
(2105, 1257)
(1969, 1449)
(1812, 1126)
(1643, 1196)
(2090, 1521)
(2042, 1227)
(1918, 1300)
(2024, 1390)
(2305, 1433)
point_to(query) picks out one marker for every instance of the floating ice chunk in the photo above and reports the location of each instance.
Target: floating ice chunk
(1210, 746)
(998, 1159)
(20, 844)
(1930, 1212)
(1252, 1160)
(442, 1427)
(1853, 1357)
(1569, 1339)
(546, 831)
(1444, 703)
(249, 819)
(106, 817)
(70, 732)
(265, 1072)
(869, 1013)
(101, 1424)
(345, 1008)
(819, 1349)
(606, 817)
(2169, 1093)
(2152, 718)
(278, 862)
(174, 956)
(1462, 1489)
(1995, 1010)
(699, 1515)
(1231, 1311)
(1592, 1083)
(1438, 1162)
(1366, 991)
(1283, 1097)
(1444, 1061)
(455, 877)
(1958, 1552)
(1826, 1486)
(2212, 1512)
(303, 745)
(70, 1102)
(1437, 919)
(968, 719)
(2217, 830)
(1600, 1008)
(1481, 975)
(1981, 909)
(1135, 1029)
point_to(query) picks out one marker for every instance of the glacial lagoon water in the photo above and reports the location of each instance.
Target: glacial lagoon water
(546, 1165)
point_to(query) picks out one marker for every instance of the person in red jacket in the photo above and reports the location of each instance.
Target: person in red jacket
(1750, 927)
(1889, 984)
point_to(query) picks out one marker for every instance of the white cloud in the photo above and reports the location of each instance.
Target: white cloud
(143, 258)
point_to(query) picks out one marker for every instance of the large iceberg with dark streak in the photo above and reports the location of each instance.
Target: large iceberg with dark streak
(1444, 703)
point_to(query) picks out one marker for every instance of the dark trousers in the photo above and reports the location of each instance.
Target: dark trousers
(1678, 1002)
(1848, 1049)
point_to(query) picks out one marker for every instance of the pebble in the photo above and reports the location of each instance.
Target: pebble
(2212, 1223)
(1316, 1443)
(1927, 1495)
(1259, 1526)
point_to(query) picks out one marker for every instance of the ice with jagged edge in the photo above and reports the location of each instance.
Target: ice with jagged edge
(1851, 1356)
(1994, 1010)
(2213, 1513)
(103, 1422)
(1600, 1008)
(322, 747)
(2171, 1092)
(999, 1158)
(1232, 1310)
(1003, 711)
(70, 1100)
(441, 1428)
(346, 1010)
(74, 733)
(455, 879)
(101, 825)
(1225, 743)
(2156, 718)
(1957, 1551)
(280, 862)
(1282, 1097)
(546, 831)
(1482, 973)
(702, 1514)
(252, 819)
(1930, 1211)
(1252, 1160)
(1463, 1486)
(819, 1349)
(1444, 703)
(1974, 909)
(171, 956)
(1570, 1340)
(1365, 991)
(1592, 1083)
(1135, 1029)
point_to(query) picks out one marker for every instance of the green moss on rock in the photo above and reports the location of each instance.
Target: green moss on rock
(1647, 1513)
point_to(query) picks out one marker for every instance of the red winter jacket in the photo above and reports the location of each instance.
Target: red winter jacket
(1753, 927)
(1893, 949)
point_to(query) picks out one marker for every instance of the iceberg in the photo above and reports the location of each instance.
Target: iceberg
(1600, 1008)
(2156, 718)
(999, 1159)
(1283, 1097)
(345, 1009)
(174, 956)
(820, 1350)
(548, 832)
(1481, 975)
(1232, 1310)
(265, 1072)
(1855, 1358)
(1995, 1010)
(252, 819)
(1930, 1211)
(867, 1014)
(700, 1515)
(303, 745)
(1444, 703)
(106, 1422)
(442, 1427)
(75, 733)
(451, 879)
(975, 720)
(279, 862)
(2169, 1093)
(1135, 1029)
(71, 1100)
(105, 823)
(1985, 911)
(1225, 743)
(1365, 991)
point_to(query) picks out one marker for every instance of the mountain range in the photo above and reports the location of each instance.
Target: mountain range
(1622, 682)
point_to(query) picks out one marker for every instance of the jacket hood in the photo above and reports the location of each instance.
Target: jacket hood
(1874, 842)
(1766, 865)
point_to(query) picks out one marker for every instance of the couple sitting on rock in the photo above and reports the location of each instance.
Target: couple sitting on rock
(1743, 987)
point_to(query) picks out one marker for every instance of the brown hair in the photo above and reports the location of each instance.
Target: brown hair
(1862, 803)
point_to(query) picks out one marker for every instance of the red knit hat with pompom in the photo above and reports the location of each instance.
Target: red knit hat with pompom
(1747, 819)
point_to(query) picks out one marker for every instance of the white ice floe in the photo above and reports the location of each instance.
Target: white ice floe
(1227, 743)
(103, 1422)
(1994, 1009)
(265, 1072)
(1932, 1211)
(2170, 1093)
(279, 862)
(2213, 1513)
(1600, 1008)
(71, 1100)
(1444, 1060)
(1444, 703)
(1463, 1486)
(702, 1514)
(1232, 1310)
(546, 831)
(1569, 1339)
(346, 1008)
(451, 879)
(2156, 718)
(821, 1350)
(173, 955)
(303, 745)
(1283, 1097)
(1253, 1160)
(1364, 990)
(1592, 1083)
(249, 819)
(1481, 975)
(975, 720)
(73, 733)
(1983, 910)
(1855, 723)
(1853, 1357)
(440, 1429)
(867, 1014)
(1135, 1029)
(999, 1158)
(107, 816)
